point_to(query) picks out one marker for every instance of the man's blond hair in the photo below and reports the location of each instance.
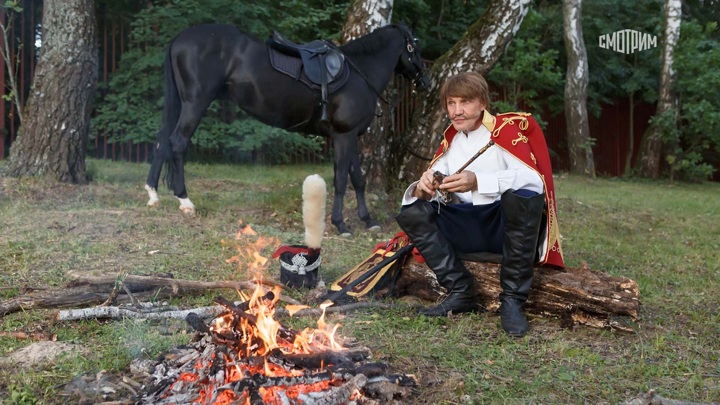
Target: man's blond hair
(467, 85)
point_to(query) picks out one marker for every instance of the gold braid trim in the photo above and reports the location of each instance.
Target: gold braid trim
(523, 125)
(521, 138)
(554, 229)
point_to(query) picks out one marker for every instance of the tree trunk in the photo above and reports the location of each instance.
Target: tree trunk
(53, 137)
(576, 82)
(575, 295)
(631, 134)
(363, 17)
(478, 50)
(651, 147)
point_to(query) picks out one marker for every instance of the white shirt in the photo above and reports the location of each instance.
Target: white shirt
(496, 170)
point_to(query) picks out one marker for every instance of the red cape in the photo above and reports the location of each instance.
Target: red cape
(520, 135)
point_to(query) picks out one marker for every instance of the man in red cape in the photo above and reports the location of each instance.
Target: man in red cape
(497, 168)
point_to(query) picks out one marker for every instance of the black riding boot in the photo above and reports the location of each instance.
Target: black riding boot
(419, 221)
(523, 216)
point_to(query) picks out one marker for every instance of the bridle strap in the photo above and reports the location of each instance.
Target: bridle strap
(410, 49)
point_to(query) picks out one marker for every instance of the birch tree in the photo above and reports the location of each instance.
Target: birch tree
(576, 83)
(478, 50)
(652, 143)
(363, 17)
(53, 136)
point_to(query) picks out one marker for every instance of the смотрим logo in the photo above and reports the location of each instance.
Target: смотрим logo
(627, 41)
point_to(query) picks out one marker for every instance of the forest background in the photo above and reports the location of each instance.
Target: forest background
(530, 76)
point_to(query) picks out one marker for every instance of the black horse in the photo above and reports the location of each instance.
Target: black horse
(211, 61)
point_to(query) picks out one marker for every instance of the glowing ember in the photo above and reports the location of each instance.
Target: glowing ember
(247, 357)
(258, 362)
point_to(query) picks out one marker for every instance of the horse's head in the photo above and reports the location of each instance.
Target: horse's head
(410, 63)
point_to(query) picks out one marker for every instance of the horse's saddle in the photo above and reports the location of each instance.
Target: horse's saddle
(321, 63)
(317, 64)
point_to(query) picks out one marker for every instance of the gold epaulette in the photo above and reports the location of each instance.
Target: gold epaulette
(513, 116)
(523, 114)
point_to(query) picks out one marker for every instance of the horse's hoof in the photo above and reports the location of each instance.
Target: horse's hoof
(188, 210)
(186, 206)
(372, 225)
(343, 230)
(154, 200)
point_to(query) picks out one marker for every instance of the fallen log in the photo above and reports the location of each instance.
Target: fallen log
(64, 298)
(104, 312)
(84, 291)
(180, 284)
(577, 295)
(174, 283)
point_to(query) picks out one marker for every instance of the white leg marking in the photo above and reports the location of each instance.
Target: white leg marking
(186, 206)
(154, 200)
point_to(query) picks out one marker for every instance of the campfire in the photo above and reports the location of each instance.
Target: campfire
(245, 356)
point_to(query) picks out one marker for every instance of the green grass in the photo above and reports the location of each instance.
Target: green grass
(664, 235)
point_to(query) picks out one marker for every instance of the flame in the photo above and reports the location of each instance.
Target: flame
(292, 309)
(259, 338)
(256, 334)
(249, 255)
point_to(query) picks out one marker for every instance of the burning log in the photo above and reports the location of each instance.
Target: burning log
(576, 295)
(245, 356)
(322, 359)
(238, 311)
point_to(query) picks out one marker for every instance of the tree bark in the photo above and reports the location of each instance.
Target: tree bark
(576, 295)
(478, 50)
(652, 143)
(363, 17)
(53, 137)
(576, 82)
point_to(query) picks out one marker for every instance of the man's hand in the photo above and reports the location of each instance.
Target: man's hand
(425, 188)
(459, 183)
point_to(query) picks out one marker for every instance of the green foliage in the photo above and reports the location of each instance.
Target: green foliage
(528, 77)
(13, 5)
(616, 75)
(438, 24)
(129, 106)
(695, 141)
(21, 396)
(309, 20)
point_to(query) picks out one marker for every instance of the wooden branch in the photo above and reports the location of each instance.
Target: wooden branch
(576, 295)
(341, 309)
(178, 284)
(120, 313)
(84, 291)
(119, 284)
(64, 298)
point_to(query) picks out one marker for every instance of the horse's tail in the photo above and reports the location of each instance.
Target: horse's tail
(171, 114)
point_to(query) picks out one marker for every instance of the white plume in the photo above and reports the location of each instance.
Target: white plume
(314, 200)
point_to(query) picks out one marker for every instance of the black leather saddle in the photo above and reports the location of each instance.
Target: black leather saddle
(318, 64)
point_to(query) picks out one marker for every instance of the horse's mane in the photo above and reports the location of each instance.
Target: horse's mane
(369, 43)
